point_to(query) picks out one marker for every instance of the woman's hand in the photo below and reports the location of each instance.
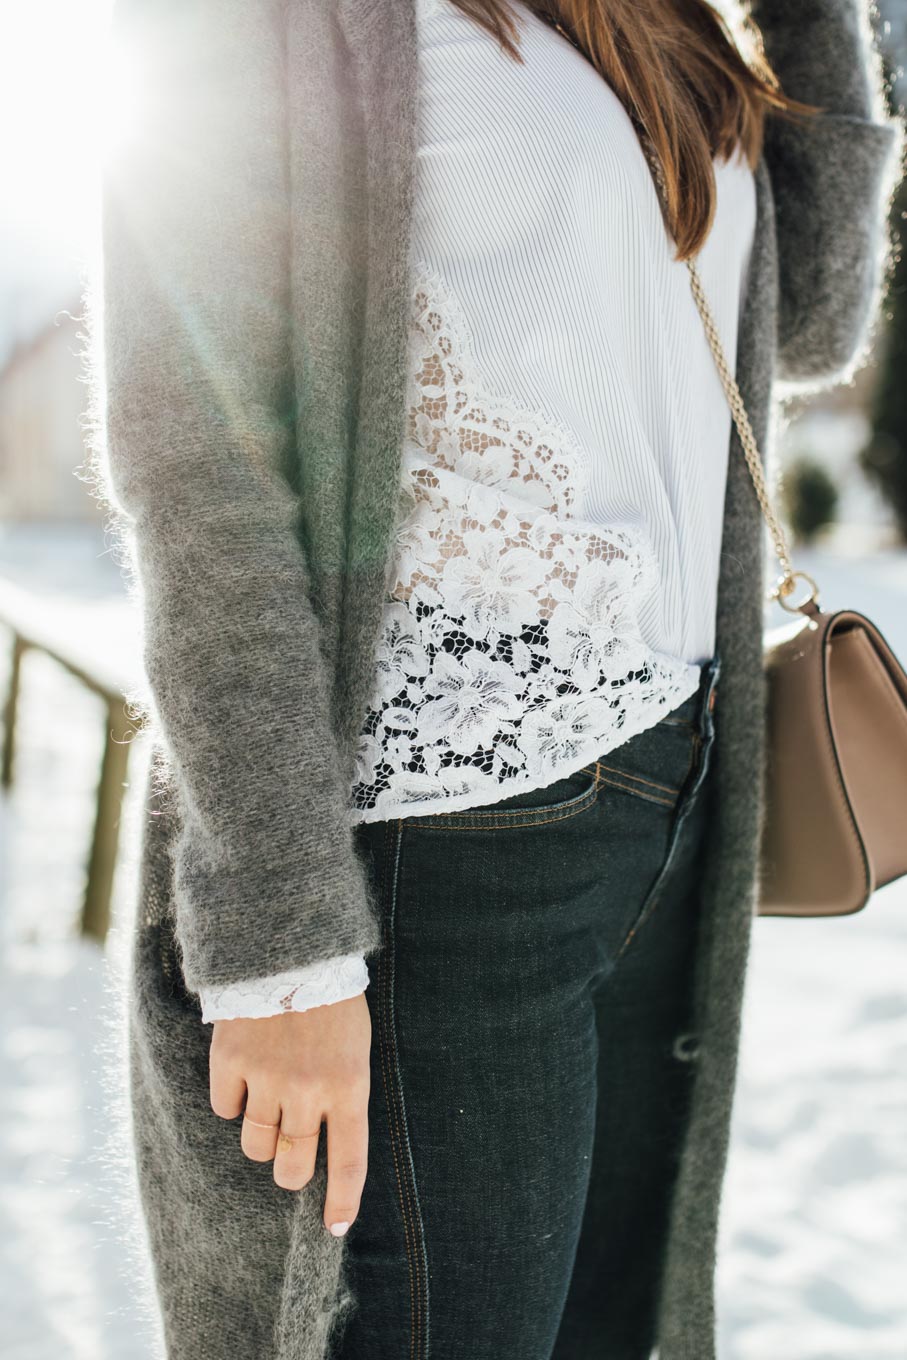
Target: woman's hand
(292, 1071)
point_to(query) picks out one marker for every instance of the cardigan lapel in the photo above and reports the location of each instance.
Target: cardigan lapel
(382, 43)
(730, 860)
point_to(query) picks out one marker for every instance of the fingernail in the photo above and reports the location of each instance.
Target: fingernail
(338, 1229)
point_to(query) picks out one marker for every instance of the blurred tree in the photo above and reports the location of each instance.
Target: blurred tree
(810, 497)
(884, 458)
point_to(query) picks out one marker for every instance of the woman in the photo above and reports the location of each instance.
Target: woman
(443, 542)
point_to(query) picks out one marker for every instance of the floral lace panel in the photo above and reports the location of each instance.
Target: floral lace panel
(460, 427)
(510, 644)
(318, 984)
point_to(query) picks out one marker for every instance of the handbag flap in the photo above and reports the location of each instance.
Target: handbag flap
(867, 695)
(813, 861)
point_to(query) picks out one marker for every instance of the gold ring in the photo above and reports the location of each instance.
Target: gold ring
(260, 1126)
(285, 1142)
(785, 585)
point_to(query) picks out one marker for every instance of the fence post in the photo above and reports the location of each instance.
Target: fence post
(103, 855)
(10, 707)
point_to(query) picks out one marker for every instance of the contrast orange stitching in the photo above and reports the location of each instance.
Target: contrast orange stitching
(391, 1105)
(592, 771)
(417, 1345)
(695, 752)
(389, 1101)
(649, 907)
(436, 824)
(640, 793)
(644, 915)
(658, 888)
(625, 774)
(403, 1211)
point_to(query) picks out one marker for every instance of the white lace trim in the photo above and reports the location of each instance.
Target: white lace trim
(318, 984)
(510, 649)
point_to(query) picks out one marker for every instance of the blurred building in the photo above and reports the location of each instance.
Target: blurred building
(42, 398)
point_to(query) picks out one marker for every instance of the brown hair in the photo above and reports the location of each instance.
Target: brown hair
(678, 72)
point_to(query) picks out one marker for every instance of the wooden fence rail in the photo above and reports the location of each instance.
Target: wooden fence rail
(38, 625)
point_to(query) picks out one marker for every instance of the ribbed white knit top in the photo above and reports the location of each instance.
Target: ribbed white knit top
(556, 554)
(564, 472)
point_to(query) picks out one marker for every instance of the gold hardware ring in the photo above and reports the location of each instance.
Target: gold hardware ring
(785, 585)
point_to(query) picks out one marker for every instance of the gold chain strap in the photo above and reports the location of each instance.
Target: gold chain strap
(785, 583)
(741, 419)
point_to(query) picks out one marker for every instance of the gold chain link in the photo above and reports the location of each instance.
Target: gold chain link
(741, 419)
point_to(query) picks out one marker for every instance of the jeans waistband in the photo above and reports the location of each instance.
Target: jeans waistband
(699, 707)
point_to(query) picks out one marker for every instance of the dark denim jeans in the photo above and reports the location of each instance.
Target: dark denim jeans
(531, 1060)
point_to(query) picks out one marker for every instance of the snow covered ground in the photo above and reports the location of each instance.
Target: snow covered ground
(814, 1240)
(814, 1261)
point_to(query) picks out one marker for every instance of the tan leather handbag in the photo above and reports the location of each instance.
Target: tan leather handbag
(835, 827)
(836, 755)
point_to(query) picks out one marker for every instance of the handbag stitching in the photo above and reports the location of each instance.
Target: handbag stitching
(827, 733)
(892, 699)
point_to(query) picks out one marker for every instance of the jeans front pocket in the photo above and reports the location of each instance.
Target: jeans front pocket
(680, 801)
(565, 797)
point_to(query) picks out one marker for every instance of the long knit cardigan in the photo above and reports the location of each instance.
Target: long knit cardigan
(253, 324)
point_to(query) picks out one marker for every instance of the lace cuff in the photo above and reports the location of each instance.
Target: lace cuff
(320, 984)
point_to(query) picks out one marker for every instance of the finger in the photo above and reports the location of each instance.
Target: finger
(227, 1087)
(347, 1166)
(297, 1144)
(260, 1126)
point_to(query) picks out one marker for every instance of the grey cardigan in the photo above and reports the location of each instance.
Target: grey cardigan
(253, 324)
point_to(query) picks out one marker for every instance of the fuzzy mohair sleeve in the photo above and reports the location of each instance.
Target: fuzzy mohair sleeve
(832, 180)
(199, 412)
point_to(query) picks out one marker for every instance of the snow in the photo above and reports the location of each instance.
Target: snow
(815, 1212)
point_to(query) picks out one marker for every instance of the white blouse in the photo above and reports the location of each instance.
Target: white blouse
(562, 487)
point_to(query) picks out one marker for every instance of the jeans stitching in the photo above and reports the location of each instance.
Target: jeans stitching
(625, 774)
(384, 1046)
(594, 772)
(387, 1094)
(656, 892)
(577, 805)
(419, 1333)
(639, 793)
